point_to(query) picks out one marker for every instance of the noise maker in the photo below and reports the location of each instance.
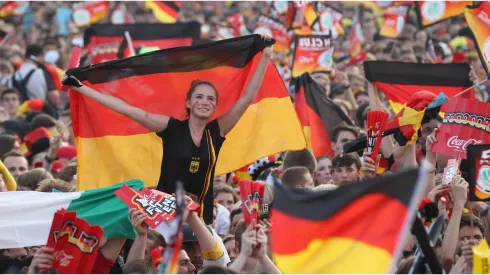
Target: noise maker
(74, 62)
(376, 121)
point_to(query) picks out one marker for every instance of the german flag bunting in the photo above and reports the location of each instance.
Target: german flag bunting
(345, 230)
(400, 81)
(164, 11)
(157, 82)
(318, 114)
(106, 42)
(479, 23)
(433, 12)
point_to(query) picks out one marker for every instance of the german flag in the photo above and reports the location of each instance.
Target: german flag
(164, 11)
(400, 81)
(345, 230)
(481, 31)
(318, 115)
(433, 12)
(310, 15)
(111, 147)
(106, 42)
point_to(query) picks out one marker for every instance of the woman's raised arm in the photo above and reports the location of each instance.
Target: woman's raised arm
(230, 119)
(153, 122)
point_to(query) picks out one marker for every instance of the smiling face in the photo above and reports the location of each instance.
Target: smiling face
(202, 102)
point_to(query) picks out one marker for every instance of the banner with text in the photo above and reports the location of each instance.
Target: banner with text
(312, 53)
(466, 122)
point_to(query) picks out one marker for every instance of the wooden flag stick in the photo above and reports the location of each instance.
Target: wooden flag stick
(467, 89)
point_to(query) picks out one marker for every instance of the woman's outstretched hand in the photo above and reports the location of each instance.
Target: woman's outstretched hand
(70, 80)
(267, 51)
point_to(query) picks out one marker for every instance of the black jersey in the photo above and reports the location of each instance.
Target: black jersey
(194, 166)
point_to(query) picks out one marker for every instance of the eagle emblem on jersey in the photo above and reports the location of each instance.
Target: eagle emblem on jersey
(194, 167)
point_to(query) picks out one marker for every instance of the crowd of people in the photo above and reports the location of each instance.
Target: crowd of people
(37, 146)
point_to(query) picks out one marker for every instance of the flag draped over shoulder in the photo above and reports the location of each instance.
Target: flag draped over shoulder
(479, 23)
(28, 224)
(112, 148)
(318, 114)
(345, 230)
(400, 81)
(105, 42)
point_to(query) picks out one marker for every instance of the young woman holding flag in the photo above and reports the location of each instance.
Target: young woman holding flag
(191, 146)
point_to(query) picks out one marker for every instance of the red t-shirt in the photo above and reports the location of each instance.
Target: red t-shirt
(102, 265)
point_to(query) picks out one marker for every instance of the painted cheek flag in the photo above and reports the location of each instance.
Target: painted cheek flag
(394, 18)
(88, 13)
(433, 12)
(479, 22)
(98, 207)
(111, 147)
(400, 81)
(105, 42)
(164, 11)
(312, 53)
(318, 115)
(345, 230)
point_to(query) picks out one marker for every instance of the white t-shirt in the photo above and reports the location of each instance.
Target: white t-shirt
(222, 226)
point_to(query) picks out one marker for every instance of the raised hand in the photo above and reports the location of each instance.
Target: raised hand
(42, 260)
(249, 240)
(138, 221)
(369, 166)
(436, 193)
(459, 191)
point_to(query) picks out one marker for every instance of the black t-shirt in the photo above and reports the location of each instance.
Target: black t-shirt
(194, 166)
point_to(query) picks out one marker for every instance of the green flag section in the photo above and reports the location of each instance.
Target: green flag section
(26, 216)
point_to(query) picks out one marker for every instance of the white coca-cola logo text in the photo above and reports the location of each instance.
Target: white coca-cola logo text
(461, 144)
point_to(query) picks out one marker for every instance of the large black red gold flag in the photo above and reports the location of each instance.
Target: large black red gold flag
(345, 230)
(400, 81)
(479, 23)
(112, 148)
(433, 12)
(105, 42)
(318, 115)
